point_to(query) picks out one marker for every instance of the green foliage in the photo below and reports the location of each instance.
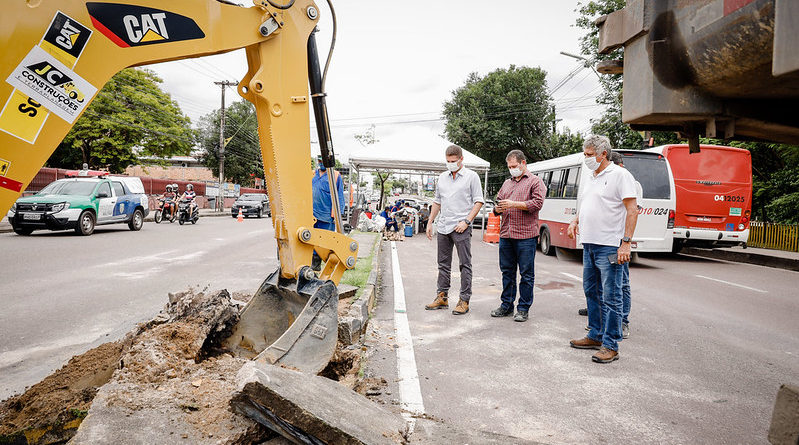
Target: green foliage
(505, 110)
(242, 152)
(130, 118)
(610, 123)
(381, 179)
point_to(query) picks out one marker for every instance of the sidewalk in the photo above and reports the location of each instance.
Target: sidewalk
(779, 259)
(5, 226)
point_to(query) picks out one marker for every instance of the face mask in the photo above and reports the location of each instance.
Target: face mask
(591, 163)
(452, 166)
(515, 172)
(322, 167)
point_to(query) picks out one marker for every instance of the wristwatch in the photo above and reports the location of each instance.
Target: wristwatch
(626, 239)
(468, 223)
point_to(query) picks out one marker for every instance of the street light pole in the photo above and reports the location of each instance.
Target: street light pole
(224, 84)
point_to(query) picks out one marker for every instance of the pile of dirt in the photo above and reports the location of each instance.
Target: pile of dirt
(57, 404)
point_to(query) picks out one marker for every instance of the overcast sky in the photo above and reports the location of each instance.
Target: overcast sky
(396, 62)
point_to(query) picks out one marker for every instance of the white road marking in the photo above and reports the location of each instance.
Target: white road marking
(732, 284)
(409, 389)
(573, 277)
(139, 259)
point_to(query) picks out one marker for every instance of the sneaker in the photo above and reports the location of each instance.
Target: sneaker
(605, 355)
(587, 328)
(625, 330)
(502, 312)
(461, 308)
(439, 303)
(583, 312)
(585, 343)
(520, 316)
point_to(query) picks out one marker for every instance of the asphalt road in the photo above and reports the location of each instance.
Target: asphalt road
(711, 343)
(62, 294)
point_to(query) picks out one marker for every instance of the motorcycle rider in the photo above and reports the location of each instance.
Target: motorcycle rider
(169, 198)
(189, 195)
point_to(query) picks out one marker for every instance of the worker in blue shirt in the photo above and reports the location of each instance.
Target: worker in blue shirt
(323, 205)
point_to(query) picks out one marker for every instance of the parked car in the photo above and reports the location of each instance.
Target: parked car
(81, 204)
(252, 204)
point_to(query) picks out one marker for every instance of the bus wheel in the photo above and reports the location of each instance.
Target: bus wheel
(546, 244)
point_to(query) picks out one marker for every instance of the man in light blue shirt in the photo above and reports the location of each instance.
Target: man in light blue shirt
(459, 197)
(323, 204)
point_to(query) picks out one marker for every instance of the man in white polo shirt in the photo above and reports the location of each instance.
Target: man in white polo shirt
(606, 218)
(459, 197)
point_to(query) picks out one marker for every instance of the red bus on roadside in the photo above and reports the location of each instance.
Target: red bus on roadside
(714, 195)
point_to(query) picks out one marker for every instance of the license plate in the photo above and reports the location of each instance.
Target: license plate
(32, 216)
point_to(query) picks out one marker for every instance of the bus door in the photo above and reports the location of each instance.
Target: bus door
(656, 211)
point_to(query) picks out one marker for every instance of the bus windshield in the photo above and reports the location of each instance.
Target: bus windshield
(651, 172)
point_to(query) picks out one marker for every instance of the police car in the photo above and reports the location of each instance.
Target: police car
(80, 203)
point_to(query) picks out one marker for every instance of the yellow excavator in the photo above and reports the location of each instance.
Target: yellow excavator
(55, 55)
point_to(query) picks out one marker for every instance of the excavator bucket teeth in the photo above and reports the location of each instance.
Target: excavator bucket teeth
(289, 322)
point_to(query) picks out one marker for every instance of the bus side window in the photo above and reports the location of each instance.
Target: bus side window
(556, 184)
(572, 182)
(546, 176)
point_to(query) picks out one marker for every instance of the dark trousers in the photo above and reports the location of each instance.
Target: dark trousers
(513, 254)
(463, 244)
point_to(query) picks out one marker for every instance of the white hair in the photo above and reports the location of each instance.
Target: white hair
(600, 143)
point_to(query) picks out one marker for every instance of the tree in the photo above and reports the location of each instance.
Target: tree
(505, 110)
(243, 150)
(381, 180)
(131, 118)
(610, 123)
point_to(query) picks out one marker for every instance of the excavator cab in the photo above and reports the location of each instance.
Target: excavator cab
(62, 53)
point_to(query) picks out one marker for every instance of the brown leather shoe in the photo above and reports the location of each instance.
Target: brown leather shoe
(605, 355)
(461, 308)
(440, 302)
(585, 343)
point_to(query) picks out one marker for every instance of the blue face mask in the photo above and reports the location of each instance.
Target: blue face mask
(322, 167)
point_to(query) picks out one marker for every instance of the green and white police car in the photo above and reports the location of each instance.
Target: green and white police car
(80, 204)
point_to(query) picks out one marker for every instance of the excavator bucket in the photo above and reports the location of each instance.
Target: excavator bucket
(290, 322)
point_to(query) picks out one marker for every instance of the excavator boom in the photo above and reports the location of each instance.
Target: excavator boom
(56, 55)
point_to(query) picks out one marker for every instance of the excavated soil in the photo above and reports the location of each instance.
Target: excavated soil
(173, 364)
(65, 395)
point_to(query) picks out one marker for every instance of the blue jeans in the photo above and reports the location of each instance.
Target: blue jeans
(602, 282)
(625, 294)
(519, 253)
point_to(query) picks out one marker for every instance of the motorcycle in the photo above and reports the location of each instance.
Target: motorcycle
(163, 206)
(186, 212)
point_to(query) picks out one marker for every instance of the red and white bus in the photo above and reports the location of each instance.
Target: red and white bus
(714, 194)
(563, 177)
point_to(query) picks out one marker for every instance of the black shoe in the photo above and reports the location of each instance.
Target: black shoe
(583, 312)
(502, 312)
(520, 316)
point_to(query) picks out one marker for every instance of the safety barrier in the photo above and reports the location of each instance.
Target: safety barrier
(774, 236)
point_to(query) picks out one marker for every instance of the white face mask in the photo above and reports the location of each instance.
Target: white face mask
(453, 166)
(591, 163)
(516, 171)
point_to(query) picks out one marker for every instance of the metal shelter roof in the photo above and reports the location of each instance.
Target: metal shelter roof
(396, 161)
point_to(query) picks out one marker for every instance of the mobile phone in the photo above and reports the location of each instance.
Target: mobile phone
(613, 258)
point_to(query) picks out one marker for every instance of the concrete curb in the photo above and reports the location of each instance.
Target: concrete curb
(352, 325)
(744, 257)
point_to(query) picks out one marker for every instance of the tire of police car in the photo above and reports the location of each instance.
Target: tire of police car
(85, 223)
(545, 241)
(136, 221)
(24, 231)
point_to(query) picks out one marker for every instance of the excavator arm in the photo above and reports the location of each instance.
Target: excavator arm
(55, 55)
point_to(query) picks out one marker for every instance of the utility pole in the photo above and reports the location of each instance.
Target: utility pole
(224, 84)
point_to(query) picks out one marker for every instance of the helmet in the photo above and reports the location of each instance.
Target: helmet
(189, 187)
(169, 187)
